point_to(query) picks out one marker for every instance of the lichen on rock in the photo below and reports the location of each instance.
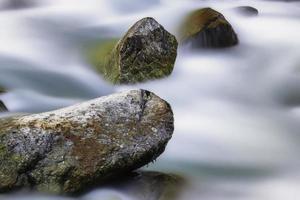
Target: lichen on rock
(147, 51)
(207, 28)
(66, 150)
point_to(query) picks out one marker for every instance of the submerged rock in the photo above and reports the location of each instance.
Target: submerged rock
(246, 11)
(66, 150)
(147, 51)
(2, 90)
(147, 185)
(207, 28)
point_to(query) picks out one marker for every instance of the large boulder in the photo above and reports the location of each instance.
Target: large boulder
(147, 51)
(207, 28)
(66, 150)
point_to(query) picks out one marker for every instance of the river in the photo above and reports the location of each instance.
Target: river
(237, 110)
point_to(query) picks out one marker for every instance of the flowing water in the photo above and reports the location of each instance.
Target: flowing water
(237, 110)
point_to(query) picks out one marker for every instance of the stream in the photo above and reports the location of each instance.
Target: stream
(237, 110)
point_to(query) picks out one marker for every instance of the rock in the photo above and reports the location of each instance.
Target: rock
(246, 11)
(146, 52)
(18, 4)
(3, 107)
(2, 90)
(146, 185)
(207, 28)
(67, 150)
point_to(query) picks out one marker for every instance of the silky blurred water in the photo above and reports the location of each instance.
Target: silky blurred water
(236, 110)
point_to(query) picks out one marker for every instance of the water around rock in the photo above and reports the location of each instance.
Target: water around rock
(66, 150)
(147, 51)
(207, 28)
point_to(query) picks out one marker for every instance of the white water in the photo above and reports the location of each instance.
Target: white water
(237, 110)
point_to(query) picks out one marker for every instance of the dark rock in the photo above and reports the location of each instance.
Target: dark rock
(66, 150)
(147, 185)
(146, 52)
(207, 28)
(2, 90)
(18, 4)
(246, 11)
(3, 107)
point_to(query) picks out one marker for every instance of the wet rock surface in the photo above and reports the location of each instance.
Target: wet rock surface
(147, 51)
(67, 150)
(207, 28)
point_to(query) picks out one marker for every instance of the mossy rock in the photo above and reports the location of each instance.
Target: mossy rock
(207, 28)
(67, 150)
(146, 52)
(2, 90)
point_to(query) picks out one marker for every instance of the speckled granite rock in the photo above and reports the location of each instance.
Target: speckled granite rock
(146, 52)
(66, 150)
(207, 28)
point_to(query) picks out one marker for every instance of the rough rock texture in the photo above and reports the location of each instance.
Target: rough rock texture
(2, 107)
(66, 150)
(147, 51)
(207, 28)
(247, 11)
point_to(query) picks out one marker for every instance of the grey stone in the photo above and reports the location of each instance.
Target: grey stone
(66, 150)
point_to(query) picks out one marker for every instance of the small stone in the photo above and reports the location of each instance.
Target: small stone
(247, 11)
(18, 4)
(146, 52)
(87, 151)
(207, 28)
